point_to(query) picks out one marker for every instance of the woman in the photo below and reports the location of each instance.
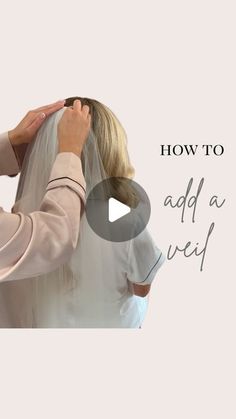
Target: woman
(105, 283)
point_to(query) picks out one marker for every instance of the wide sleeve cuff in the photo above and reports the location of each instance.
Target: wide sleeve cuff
(67, 171)
(144, 259)
(8, 161)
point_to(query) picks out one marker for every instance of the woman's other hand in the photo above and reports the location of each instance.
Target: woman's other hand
(139, 290)
(73, 128)
(30, 124)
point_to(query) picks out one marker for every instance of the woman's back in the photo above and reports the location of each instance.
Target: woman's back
(97, 295)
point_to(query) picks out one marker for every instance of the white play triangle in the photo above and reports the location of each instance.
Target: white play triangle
(116, 210)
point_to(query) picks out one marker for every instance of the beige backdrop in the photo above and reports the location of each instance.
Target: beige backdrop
(167, 69)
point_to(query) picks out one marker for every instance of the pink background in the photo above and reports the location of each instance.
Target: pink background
(167, 69)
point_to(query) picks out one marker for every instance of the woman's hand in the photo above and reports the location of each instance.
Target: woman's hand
(73, 128)
(139, 290)
(30, 124)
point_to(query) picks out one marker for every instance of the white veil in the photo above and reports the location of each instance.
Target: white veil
(40, 156)
(94, 258)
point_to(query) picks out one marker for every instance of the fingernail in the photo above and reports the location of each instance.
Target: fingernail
(42, 115)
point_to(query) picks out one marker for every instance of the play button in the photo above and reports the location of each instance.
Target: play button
(117, 209)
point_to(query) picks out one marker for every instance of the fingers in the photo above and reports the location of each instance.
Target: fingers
(85, 110)
(29, 125)
(36, 124)
(48, 108)
(78, 107)
(51, 110)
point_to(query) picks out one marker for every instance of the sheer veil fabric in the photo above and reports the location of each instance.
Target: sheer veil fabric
(91, 290)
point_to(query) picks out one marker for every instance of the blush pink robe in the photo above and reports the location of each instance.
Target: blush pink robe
(38, 243)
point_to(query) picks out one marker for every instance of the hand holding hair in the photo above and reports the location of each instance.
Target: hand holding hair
(73, 128)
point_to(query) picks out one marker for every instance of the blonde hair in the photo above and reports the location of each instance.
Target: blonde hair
(112, 145)
(111, 138)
